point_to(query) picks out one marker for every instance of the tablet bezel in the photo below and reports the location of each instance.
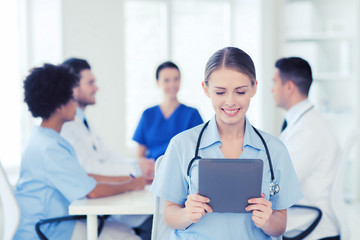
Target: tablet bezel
(243, 178)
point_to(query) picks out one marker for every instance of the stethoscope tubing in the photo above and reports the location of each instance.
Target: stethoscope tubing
(198, 145)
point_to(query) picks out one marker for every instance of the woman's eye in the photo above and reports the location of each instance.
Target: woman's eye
(220, 93)
(240, 93)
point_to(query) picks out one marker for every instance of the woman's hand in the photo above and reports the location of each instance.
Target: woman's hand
(196, 207)
(138, 183)
(147, 167)
(262, 210)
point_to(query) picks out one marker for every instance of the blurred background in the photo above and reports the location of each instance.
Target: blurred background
(125, 40)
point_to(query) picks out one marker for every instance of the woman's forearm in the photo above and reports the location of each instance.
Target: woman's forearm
(277, 223)
(141, 151)
(175, 216)
(101, 178)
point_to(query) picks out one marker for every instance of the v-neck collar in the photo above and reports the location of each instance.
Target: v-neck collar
(172, 114)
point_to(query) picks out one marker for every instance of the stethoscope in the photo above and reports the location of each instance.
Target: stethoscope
(274, 187)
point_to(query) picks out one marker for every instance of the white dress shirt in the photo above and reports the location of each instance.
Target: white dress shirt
(93, 155)
(314, 153)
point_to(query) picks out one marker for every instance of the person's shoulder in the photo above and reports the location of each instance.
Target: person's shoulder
(272, 141)
(188, 108)
(188, 136)
(313, 122)
(151, 110)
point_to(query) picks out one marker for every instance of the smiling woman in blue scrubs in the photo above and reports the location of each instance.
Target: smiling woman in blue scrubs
(160, 123)
(230, 83)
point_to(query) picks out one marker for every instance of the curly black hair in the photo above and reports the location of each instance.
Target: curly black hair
(49, 87)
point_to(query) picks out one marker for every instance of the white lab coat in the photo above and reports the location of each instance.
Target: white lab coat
(314, 153)
(93, 155)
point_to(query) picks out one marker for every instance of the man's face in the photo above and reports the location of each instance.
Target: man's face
(279, 90)
(85, 94)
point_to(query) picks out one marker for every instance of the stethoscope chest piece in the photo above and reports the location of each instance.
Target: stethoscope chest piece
(274, 188)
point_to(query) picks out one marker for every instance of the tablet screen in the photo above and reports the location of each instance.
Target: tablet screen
(230, 183)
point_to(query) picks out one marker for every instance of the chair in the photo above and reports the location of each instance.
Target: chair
(66, 218)
(307, 218)
(337, 202)
(159, 229)
(10, 206)
(337, 196)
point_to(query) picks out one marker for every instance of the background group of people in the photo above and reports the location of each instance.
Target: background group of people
(65, 159)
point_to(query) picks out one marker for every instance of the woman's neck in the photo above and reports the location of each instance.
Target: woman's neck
(53, 123)
(168, 107)
(170, 103)
(231, 131)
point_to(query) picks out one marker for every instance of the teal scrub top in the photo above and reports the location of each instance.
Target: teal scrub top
(171, 182)
(50, 179)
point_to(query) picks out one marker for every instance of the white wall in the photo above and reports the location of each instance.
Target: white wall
(94, 30)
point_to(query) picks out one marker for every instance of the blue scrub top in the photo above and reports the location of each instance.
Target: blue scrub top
(50, 179)
(155, 131)
(171, 181)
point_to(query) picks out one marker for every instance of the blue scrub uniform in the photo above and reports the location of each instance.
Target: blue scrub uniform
(50, 179)
(155, 131)
(171, 181)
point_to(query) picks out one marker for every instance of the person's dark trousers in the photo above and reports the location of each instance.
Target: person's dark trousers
(331, 238)
(144, 230)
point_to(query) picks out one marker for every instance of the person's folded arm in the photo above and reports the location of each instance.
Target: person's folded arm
(108, 188)
(101, 178)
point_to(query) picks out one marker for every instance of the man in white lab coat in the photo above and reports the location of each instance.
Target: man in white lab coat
(93, 155)
(313, 149)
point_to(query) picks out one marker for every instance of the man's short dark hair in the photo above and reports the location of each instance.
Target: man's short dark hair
(298, 71)
(77, 64)
(49, 87)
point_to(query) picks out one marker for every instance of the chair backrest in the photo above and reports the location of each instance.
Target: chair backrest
(159, 229)
(337, 192)
(10, 206)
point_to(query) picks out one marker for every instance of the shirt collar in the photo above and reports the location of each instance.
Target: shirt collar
(80, 114)
(295, 111)
(251, 138)
(211, 135)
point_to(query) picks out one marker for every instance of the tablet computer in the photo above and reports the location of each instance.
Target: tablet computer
(230, 183)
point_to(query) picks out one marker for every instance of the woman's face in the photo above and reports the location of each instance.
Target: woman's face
(230, 92)
(169, 82)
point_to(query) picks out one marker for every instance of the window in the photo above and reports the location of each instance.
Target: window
(33, 32)
(156, 31)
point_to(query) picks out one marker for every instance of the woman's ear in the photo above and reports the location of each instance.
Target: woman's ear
(254, 89)
(205, 88)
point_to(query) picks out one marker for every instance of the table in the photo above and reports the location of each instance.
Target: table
(128, 203)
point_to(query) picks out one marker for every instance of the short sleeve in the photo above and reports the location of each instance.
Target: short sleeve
(140, 131)
(170, 183)
(285, 175)
(195, 119)
(64, 172)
